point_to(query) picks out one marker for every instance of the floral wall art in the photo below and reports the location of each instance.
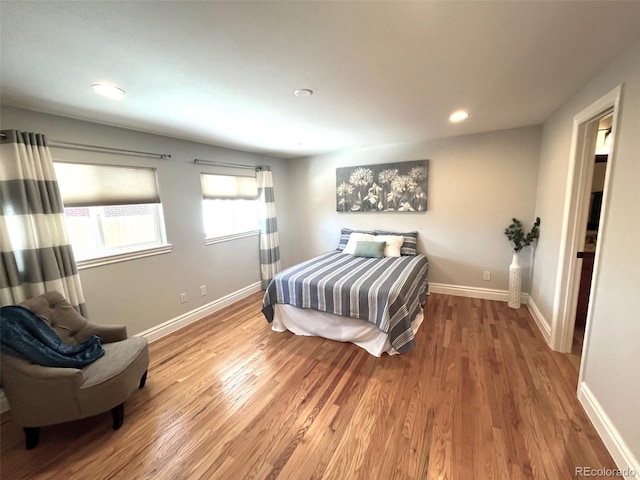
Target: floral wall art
(386, 187)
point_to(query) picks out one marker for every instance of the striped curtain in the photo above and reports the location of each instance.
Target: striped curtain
(36, 255)
(269, 243)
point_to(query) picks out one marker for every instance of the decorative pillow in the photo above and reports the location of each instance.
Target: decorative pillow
(410, 244)
(369, 249)
(354, 238)
(393, 244)
(344, 237)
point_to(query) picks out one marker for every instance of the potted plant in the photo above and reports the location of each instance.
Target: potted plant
(519, 240)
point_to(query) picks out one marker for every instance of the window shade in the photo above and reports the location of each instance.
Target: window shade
(86, 185)
(215, 187)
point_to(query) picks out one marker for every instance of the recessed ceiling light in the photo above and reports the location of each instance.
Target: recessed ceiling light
(303, 92)
(109, 91)
(458, 116)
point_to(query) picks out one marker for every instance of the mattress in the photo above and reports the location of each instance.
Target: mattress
(307, 322)
(386, 292)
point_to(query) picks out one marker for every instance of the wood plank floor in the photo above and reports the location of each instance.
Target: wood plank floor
(480, 397)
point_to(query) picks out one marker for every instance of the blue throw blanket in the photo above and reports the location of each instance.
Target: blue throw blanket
(26, 336)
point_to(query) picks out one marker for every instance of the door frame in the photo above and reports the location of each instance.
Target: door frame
(574, 215)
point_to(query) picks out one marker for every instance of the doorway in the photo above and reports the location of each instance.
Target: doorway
(575, 219)
(599, 158)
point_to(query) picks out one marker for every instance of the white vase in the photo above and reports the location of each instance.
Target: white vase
(515, 281)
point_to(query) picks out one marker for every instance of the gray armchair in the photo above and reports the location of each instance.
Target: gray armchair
(41, 396)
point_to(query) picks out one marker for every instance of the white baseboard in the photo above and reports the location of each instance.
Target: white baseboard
(474, 292)
(543, 324)
(199, 313)
(170, 326)
(499, 295)
(626, 461)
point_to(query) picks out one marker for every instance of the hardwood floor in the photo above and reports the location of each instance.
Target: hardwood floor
(480, 397)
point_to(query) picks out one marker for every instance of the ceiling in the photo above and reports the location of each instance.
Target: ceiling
(224, 73)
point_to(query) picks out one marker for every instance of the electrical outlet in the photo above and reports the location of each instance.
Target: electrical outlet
(203, 290)
(486, 275)
(183, 298)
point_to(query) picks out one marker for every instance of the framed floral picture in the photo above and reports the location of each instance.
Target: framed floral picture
(385, 187)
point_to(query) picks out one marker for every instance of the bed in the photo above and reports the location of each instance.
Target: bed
(372, 301)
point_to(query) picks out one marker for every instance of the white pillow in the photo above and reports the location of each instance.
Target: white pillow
(393, 244)
(354, 238)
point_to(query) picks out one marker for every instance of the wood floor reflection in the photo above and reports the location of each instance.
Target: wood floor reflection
(482, 396)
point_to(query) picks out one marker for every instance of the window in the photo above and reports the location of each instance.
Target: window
(111, 212)
(229, 206)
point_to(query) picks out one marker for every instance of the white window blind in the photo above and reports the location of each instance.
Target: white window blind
(229, 205)
(86, 185)
(227, 187)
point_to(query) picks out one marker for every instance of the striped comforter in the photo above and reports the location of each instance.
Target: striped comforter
(388, 292)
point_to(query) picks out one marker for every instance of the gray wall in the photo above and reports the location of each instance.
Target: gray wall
(611, 356)
(477, 183)
(143, 293)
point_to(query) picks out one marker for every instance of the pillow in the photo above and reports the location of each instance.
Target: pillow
(393, 244)
(354, 238)
(370, 249)
(344, 237)
(410, 244)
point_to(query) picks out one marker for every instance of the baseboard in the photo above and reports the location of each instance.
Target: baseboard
(175, 324)
(474, 292)
(543, 325)
(498, 295)
(626, 461)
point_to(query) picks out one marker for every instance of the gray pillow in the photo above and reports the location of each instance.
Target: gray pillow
(369, 249)
(410, 245)
(345, 233)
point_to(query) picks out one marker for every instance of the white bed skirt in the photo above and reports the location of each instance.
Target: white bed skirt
(303, 321)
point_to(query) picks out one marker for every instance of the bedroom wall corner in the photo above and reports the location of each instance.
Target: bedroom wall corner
(144, 293)
(477, 183)
(608, 384)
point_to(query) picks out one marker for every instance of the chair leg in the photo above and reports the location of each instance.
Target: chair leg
(32, 437)
(143, 379)
(118, 416)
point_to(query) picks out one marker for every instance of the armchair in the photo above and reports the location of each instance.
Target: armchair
(39, 396)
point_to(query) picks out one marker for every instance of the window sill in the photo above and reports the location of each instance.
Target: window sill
(226, 238)
(123, 257)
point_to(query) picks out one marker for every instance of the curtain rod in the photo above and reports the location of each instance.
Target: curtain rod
(97, 148)
(223, 164)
